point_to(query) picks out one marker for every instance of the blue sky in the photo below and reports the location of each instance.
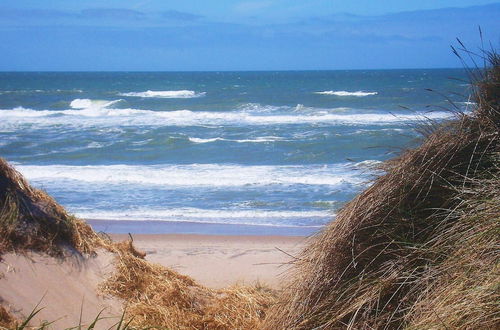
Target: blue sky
(166, 35)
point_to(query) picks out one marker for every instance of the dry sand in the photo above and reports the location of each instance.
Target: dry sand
(63, 288)
(219, 261)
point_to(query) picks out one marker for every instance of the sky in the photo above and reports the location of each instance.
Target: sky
(220, 35)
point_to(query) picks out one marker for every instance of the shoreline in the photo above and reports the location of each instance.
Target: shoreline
(218, 261)
(198, 228)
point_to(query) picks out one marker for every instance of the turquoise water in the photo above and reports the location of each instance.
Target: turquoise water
(272, 151)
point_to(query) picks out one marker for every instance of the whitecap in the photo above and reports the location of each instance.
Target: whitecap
(345, 93)
(199, 140)
(261, 139)
(87, 112)
(88, 103)
(259, 108)
(50, 91)
(369, 164)
(213, 216)
(178, 94)
(206, 175)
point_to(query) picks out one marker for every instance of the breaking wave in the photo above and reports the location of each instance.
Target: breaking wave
(261, 139)
(213, 216)
(86, 112)
(198, 174)
(89, 104)
(345, 93)
(180, 94)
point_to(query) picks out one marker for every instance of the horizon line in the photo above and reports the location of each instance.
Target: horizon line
(214, 71)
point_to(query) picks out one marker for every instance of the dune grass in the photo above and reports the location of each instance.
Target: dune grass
(158, 297)
(7, 321)
(32, 220)
(419, 249)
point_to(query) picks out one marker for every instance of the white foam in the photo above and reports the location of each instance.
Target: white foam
(88, 103)
(378, 130)
(262, 139)
(369, 164)
(180, 94)
(207, 175)
(50, 91)
(98, 113)
(345, 93)
(257, 108)
(199, 140)
(248, 217)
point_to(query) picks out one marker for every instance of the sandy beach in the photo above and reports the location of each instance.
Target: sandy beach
(218, 261)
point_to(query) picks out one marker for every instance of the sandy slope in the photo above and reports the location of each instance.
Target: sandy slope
(61, 285)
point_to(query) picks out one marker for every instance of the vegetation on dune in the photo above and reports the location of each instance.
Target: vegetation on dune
(156, 296)
(32, 220)
(419, 248)
(7, 321)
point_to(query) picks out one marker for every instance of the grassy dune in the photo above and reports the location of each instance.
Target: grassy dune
(32, 220)
(419, 249)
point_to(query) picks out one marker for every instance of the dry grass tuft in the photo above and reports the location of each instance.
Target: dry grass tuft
(126, 247)
(159, 297)
(7, 321)
(419, 248)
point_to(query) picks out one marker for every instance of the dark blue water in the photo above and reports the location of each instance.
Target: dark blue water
(275, 149)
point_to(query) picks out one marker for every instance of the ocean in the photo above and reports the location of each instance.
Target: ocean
(214, 152)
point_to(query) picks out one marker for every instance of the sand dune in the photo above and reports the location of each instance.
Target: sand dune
(62, 287)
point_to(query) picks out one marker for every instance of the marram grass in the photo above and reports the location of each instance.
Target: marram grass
(32, 220)
(420, 248)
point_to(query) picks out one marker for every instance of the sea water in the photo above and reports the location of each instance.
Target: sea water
(141, 151)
